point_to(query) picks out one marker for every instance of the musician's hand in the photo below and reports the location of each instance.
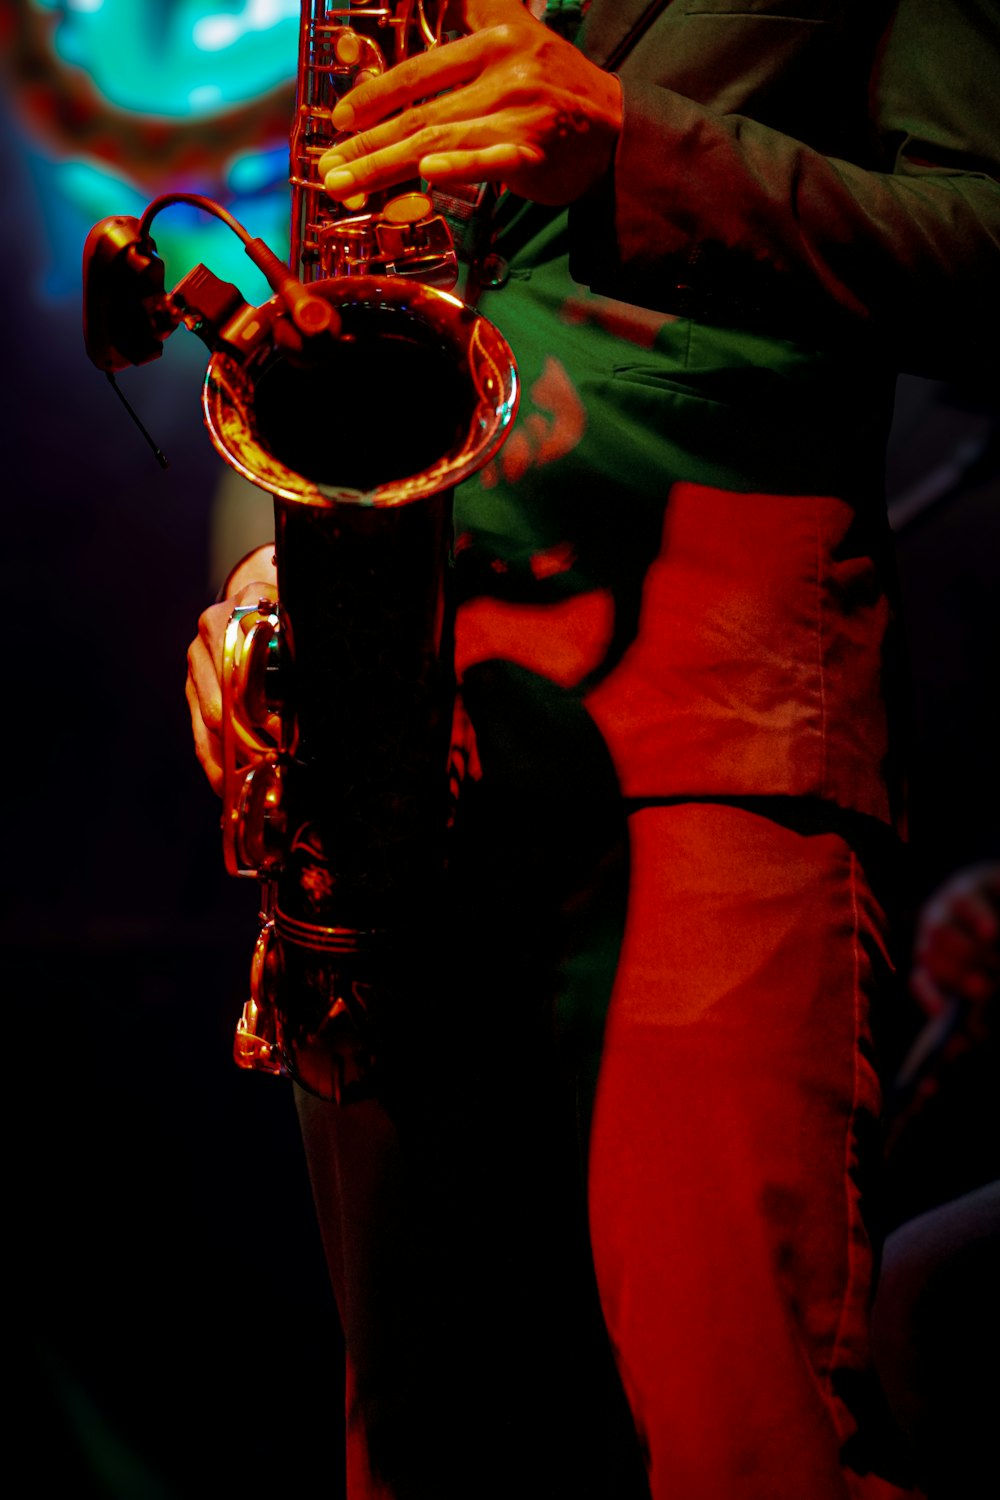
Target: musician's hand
(510, 102)
(957, 950)
(204, 659)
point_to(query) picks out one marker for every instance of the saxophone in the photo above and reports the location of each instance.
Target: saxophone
(359, 396)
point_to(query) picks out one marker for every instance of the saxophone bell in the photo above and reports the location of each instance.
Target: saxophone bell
(361, 446)
(359, 396)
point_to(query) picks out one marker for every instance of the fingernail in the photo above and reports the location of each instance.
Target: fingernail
(331, 161)
(343, 117)
(432, 164)
(339, 182)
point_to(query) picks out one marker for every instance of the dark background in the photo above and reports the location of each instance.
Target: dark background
(176, 1335)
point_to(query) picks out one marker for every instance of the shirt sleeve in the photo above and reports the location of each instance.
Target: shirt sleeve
(728, 218)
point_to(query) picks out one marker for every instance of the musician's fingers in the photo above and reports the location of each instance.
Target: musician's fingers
(203, 688)
(497, 163)
(207, 745)
(532, 110)
(403, 85)
(382, 138)
(382, 168)
(203, 674)
(440, 163)
(392, 152)
(501, 30)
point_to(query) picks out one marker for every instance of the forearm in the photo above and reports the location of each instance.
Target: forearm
(890, 223)
(753, 221)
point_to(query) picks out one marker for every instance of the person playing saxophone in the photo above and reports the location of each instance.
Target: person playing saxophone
(620, 1241)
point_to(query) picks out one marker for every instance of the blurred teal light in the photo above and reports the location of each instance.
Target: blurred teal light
(76, 194)
(174, 61)
(178, 58)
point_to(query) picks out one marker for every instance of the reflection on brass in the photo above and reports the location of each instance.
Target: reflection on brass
(341, 811)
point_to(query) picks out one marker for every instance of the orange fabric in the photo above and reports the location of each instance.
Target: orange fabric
(757, 665)
(727, 1201)
(727, 1167)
